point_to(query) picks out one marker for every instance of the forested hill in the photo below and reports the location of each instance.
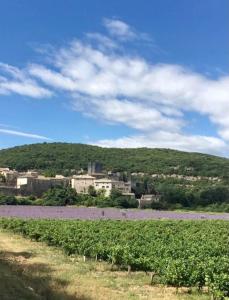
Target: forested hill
(64, 157)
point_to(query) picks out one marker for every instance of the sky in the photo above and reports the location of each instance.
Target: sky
(117, 73)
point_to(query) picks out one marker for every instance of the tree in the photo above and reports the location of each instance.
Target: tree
(60, 196)
(214, 195)
(50, 173)
(117, 199)
(92, 191)
(7, 200)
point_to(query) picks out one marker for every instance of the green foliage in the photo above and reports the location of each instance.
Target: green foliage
(116, 199)
(7, 200)
(24, 201)
(180, 193)
(60, 196)
(143, 185)
(63, 157)
(206, 196)
(92, 191)
(11, 200)
(215, 194)
(49, 173)
(180, 253)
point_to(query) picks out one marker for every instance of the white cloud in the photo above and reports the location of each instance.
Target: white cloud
(115, 87)
(24, 134)
(52, 78)
(164, 139)
(122, 31)
(132, 114)
(119, 28)
(102, 41)
(13, 80)
(170, 90)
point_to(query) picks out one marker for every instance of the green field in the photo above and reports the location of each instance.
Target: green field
(177, 253)
(32, 270)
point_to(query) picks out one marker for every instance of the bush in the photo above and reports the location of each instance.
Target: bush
(40, 202)
(116, 199)
(24, 201)
(159, 205)
(60, 196)
(7, 200)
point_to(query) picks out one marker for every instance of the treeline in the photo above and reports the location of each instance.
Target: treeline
(215, 198)
(65, 158)
(60, 196)
(181, 194)
(171, 197)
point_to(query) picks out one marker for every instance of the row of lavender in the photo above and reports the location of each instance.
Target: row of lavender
(92, 213)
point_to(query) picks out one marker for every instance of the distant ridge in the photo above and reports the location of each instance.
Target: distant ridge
(66, 156)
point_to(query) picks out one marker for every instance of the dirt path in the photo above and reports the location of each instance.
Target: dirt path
(31, 270)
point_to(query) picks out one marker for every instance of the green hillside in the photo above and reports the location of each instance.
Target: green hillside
(64, 157)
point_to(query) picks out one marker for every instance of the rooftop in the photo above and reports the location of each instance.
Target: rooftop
(105, 180)
(84, 176)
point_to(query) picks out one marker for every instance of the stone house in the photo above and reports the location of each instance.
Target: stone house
(104, 184)
(81, 183)
(146, 200)
(109, 184)
(29, 185)
(10, 176)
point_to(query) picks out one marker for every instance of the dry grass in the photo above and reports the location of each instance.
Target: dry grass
(31, 270)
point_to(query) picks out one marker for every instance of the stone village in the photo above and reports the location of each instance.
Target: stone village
(31, 182)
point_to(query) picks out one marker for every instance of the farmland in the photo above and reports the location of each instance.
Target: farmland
(176, 253)
(93, 213)
(32, 270)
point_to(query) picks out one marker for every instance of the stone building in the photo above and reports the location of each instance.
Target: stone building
(146, 200)
(2, 170)
(8, 190)
(104, 184)
(36, 186)
(109, 184)
(10, 176)
(81, 183)
(95, 169)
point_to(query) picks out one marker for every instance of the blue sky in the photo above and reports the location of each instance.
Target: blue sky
(115, 73)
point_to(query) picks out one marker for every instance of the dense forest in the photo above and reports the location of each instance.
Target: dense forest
(64, 157)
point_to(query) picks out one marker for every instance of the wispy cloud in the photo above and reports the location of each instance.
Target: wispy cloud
(134, 92)
(135, 115)
(116, 87)
(119, 28)
(24, 134)
(14, 80)
(172, 140)
(101, 40)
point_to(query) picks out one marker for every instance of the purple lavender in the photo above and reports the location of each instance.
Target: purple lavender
(93, 213)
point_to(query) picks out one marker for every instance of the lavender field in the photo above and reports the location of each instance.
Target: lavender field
(92, 213)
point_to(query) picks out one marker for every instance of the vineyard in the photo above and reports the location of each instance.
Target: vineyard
(175, 253)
